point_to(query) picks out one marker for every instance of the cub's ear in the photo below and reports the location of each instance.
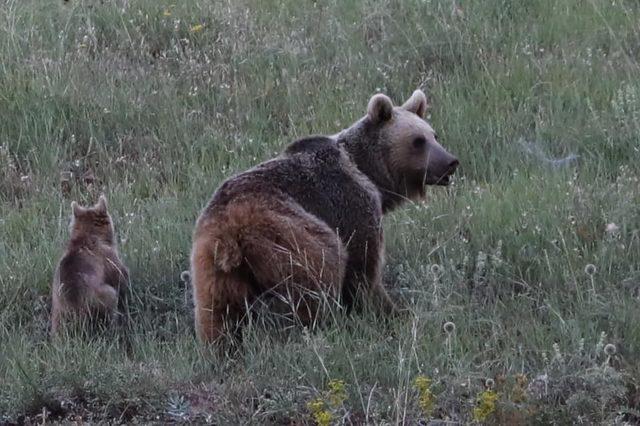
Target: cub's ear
(102, 204)
(76, 209)
(417, 103)
(380, 108)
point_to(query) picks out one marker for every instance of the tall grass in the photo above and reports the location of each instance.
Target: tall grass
(155, 103)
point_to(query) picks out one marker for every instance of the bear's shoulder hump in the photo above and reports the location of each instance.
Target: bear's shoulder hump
(311, 144)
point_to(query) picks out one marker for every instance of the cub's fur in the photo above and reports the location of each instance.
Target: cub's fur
(307, 225)
(90, 282)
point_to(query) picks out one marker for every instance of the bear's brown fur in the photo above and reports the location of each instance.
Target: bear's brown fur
(90, 282)
(307, 224)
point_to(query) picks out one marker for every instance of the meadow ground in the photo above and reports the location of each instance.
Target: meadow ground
(533, 255)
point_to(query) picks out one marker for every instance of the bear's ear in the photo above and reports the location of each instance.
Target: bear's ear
(417, 103)
(101, 207)
(380, 108)
(76, 209)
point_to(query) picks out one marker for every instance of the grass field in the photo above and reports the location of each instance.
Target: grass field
(534, 256)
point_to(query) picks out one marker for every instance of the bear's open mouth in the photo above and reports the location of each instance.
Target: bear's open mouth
(442, 177)
(444, 180)
(447, 177)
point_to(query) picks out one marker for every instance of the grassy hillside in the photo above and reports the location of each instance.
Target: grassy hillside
(533, 254)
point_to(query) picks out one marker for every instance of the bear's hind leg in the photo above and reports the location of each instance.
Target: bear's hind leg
(220, 298)
(221, 308)
(296, 256)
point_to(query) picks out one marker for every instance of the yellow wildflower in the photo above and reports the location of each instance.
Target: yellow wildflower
(321, 415)
(486, 405)
(422, 383)
(323, 418)
(426, 399)
(337, 393)
(166, 12)
(196, 28)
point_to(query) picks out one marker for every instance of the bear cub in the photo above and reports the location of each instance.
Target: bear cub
(90, 283)
(306, 226)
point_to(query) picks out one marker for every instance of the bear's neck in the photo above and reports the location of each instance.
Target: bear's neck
(361, 142)
(91, 241)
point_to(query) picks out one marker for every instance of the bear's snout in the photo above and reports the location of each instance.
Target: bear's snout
(453, 165)
(441, 166)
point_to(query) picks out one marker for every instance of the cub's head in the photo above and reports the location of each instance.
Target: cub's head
(92, 221)
(414, 158)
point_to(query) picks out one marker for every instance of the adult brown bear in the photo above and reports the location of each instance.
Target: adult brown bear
(307, 225)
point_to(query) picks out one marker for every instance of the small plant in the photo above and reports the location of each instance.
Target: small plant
(178, 407)
(581, 383)
(449, 328)
(426, 399)
(519, 393)
(337, 393)
(486, 406)
(324, 407)
(590, 269)
(320, 412)
(609, 350)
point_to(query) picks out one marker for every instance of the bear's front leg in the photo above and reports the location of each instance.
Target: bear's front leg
(363, 280)
(378, 294)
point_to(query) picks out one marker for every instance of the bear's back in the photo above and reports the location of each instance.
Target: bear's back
(317, 175)
(75, 269)
(86, 259)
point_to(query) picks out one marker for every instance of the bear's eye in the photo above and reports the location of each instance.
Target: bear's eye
(419, 142)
